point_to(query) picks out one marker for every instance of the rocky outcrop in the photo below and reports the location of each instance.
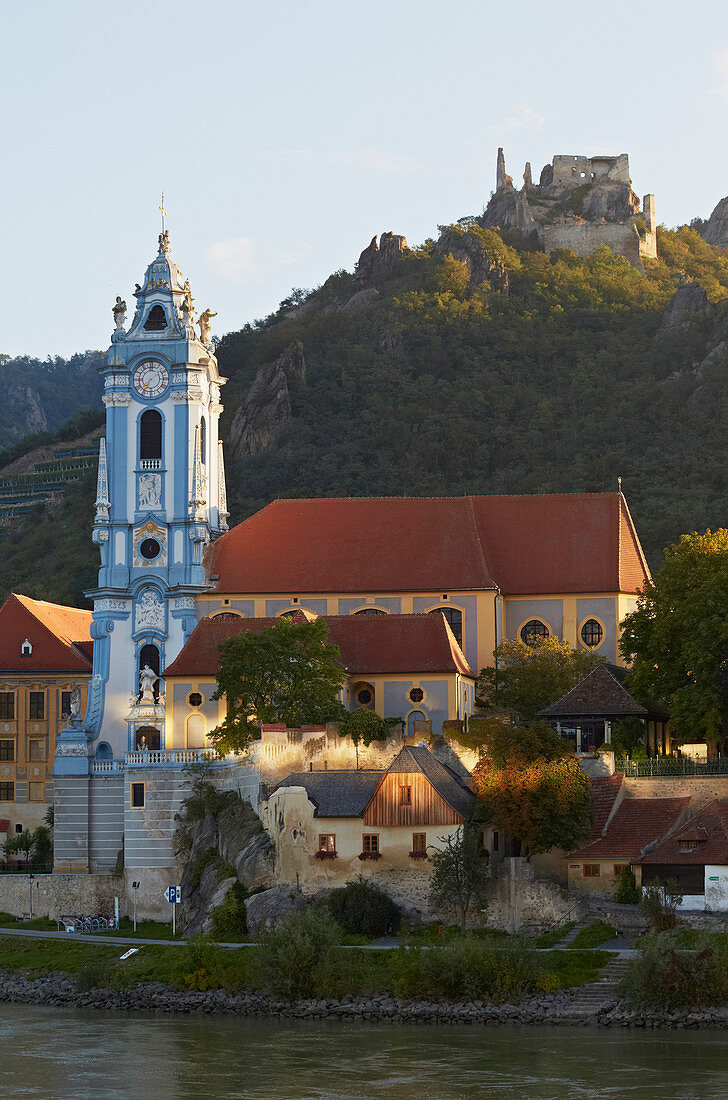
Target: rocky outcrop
(380, 260)
(716, 231)
(469, 249)
(690, 302)
(359, 300)
(268, 908)
(234, 840)
(267, 408)
(22, 406)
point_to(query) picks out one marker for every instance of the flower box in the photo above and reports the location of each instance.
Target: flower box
(322, 854)
(418, 855)
(370, 855)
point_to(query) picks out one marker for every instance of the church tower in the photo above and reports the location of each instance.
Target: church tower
(160, 501)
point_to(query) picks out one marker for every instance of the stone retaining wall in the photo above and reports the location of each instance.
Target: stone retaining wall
(61, 895)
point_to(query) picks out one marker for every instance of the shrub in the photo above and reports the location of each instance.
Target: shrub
(666, 976)
(229, 920)
(596, 933)
(201, 957)
(660, 904)
(94, 975)
(293, 954)
(464, 969)
(363, 909)
(627, 892)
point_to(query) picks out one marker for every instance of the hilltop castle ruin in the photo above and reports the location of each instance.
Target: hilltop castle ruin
(579, 203)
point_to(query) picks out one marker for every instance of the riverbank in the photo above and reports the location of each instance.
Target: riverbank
(564, 1008)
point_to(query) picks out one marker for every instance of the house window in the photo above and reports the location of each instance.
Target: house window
(7, 750)
(592, 870)
(534, 631)
(65, 704)
(36, 751)
(455, 620)
(364, 696)
(156, 321)
(619, 868)
(371, 842)
(194, 699)
(137, 796)
(36, 705)
(26, 649)
(496, 840)
(419, 842)
(416, 695)
(405, 796)
(36, 791)
(370, 611)
(150, 434)
(7, 705)
(327, 842)
(591, 633)
(7, 792)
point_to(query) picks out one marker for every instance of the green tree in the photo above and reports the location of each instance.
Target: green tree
(364, 726)
(544, 803)
(527, 678)
(288, 673)
(459, 873)
(677, 637)
(501, 743)
(20, 845)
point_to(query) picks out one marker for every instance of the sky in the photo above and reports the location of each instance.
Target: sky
(286, 134)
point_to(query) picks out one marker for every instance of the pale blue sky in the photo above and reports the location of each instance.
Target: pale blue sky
(286, 134)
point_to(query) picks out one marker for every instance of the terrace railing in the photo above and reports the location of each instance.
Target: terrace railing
(673, 767)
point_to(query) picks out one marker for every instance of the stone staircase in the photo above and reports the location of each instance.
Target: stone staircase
(590, 998)
(571, 936)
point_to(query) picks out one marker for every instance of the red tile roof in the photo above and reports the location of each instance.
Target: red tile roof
(635, 823)
(369, 644)
(706, 832)
(60, 636)
(581, 542)
(605, 789)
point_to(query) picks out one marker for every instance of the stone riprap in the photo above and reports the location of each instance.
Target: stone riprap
(562, 1008)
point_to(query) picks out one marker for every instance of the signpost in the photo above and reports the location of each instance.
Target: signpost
(173, 894)
(135, 888)
(31, 880)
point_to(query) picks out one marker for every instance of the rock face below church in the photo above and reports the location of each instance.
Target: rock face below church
(716, 231)
(690, 301)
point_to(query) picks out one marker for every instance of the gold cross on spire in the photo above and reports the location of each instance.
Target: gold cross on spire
(163, 212)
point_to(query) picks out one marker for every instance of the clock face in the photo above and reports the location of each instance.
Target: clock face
(151, 378)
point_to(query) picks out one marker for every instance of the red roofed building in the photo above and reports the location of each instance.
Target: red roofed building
(695, 856)
(624, 829)
(497, 566)
(399, 665)
(45, 649)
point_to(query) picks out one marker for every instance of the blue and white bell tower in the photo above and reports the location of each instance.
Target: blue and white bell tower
(160, 501)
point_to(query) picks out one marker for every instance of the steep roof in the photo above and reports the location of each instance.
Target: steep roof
(707, 833)
(598, 695)
(580, 542)
(605, 789)
(636, 823)
(369, 644)
(348, 793)
(60, 636)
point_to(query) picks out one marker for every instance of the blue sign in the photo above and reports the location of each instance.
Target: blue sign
(173, 893)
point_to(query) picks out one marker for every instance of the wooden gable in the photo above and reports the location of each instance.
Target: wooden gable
(426, 806)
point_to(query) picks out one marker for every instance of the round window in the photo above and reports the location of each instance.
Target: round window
(591, 633)
(416, 695)
(364, 696)
(534, 631)
(149, 549)
(194, 699)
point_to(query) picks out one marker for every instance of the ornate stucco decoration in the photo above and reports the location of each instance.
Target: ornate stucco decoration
(149, 491)
(149, 610)
(150, 530)
(112, 400)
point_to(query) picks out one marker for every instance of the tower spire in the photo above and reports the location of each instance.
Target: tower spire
(222, 491)
(164, 235)
(102, 486)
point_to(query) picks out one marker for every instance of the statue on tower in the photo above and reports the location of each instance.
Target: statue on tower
(205, 323)
(147, 680)
(119, 311)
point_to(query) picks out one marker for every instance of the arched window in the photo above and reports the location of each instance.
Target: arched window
(370, 611)
(196, 730)
(149, 655)
(150, 434)
(412, 717)
(103, 751)
(156, 321)
(592, 633)
(534, 631)
(227, 616)
(455, 619)
(203, 441)
(148, 737)
(285, 614)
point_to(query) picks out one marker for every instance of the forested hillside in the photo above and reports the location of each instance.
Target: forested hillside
(475, 364)
(38, 396)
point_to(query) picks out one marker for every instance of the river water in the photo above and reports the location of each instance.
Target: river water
(72, 1054)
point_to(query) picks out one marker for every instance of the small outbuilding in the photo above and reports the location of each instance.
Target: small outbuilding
(695, 856)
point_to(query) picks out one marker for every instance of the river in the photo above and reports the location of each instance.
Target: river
(72, 1054)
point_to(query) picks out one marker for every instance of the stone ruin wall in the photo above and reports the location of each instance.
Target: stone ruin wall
(579, 170)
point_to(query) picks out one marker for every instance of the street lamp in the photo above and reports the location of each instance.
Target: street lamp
(31, 880)
(135, 888)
